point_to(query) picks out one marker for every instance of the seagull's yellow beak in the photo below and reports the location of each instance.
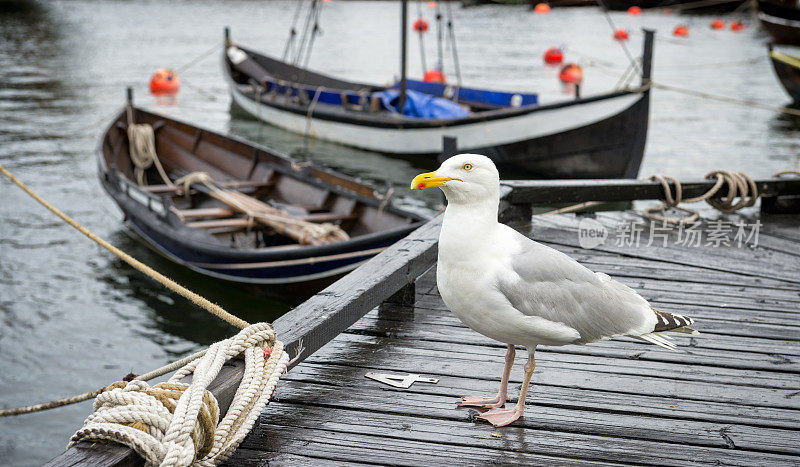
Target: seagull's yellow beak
(428, 179)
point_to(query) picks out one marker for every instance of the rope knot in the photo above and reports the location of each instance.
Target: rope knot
(177, 424)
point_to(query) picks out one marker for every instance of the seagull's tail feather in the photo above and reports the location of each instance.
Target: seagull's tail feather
(658, 339)
(672, 322)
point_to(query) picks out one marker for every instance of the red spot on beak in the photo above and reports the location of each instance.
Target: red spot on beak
(421, 186)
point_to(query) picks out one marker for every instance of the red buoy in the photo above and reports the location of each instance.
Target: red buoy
(571, 74)
(164, 81)
(621, 35)
(554, 55)
(717, 24)
(420, 25)
(542, 8)
(737, 26)
(681, 31)
(634, 11)
(434, 76)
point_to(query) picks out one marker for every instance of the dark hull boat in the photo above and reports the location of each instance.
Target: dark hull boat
(781, 20)
(599, 136)
(256, 217)
(787, 68)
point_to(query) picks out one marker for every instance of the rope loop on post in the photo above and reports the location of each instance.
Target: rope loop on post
(740, 185)
(177, 424)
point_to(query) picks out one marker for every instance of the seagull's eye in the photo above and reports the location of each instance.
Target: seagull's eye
(467, 166)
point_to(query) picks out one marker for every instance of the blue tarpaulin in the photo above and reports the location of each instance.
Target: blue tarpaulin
(421, 105)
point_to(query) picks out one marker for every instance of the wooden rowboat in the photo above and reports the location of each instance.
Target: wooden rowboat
(254, 216)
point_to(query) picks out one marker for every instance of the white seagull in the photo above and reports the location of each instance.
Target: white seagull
(515, 290)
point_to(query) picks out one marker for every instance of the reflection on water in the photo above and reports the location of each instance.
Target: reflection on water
(73, 317)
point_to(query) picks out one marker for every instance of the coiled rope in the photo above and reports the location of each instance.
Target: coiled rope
(175, 424)
(142, 149)
(740, 186)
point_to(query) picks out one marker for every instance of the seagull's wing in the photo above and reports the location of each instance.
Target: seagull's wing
(546, 283)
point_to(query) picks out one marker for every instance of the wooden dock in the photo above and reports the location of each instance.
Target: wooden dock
(731, 395)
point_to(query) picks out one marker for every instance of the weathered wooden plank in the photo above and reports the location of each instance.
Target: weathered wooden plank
(275, 440)
(545, 395)
(341, 424)
(578, 191)
(449, 359)
(372, 398)
(318, 320)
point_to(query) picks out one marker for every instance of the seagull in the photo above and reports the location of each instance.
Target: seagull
(517, 291)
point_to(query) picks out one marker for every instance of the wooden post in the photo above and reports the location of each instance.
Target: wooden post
(403, 40)
(647, 56)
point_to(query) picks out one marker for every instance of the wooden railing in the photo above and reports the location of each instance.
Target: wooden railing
(391, 275)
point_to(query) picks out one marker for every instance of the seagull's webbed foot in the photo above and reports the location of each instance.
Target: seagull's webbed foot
(502, 417)
(485, 402)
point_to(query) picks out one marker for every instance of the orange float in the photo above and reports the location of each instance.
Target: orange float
(554, 55)
(420, 25)
(737, 26)
(717, 24)
(164, 81)
(434, 76)
(571, 74)
(621, 35)
(634, 11)
(542, 8)
(681, 31)
(431, 4)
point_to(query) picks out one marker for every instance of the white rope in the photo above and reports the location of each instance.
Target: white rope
(142, 149)
(740, 185)
(168, 424)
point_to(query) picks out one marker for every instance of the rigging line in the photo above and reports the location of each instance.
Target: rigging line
(198, 58)
(604, 7)
(306, 29)
(453, 43)
(439, 34)
(420, 33)
(292, 31)
(747, 103)
(314, 32)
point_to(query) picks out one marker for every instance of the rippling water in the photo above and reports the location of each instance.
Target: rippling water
(74, 318)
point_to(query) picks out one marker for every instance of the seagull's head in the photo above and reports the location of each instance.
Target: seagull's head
(464, 178)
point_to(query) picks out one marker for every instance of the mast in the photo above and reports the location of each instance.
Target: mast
(403, 34)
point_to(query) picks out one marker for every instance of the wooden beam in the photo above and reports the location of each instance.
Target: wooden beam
(308, 327)
(324, 316)
(578, 191)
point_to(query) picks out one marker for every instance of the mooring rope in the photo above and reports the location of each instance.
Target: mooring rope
(175, 424)
(195, 298)
(740, 185)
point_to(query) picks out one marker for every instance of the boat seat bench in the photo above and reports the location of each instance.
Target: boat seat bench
(243, 222)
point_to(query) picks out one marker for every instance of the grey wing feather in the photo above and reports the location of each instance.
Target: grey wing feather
(547, 283)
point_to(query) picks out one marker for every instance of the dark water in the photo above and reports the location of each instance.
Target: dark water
(74, 318)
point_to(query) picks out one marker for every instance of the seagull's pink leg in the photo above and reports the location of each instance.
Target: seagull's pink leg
(502, 417)
(502, 395)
